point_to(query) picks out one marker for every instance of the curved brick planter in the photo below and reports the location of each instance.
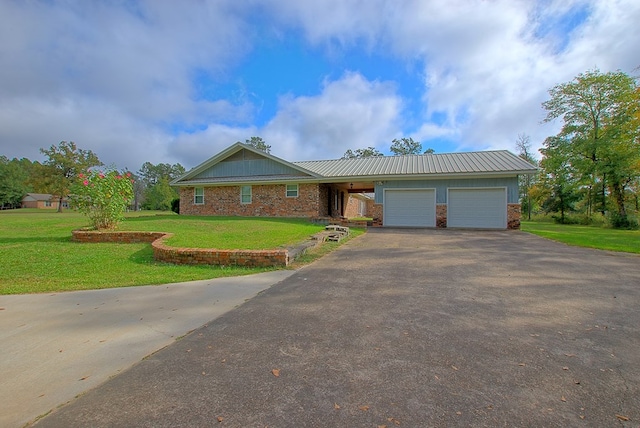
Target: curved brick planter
(189, 256)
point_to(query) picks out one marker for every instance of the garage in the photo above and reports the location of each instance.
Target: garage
(410, 207)
(484, 208)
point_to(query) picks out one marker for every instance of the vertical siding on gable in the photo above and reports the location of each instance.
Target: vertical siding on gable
(250, 167)
(441, 186)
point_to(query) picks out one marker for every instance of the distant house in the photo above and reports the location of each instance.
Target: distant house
(459, 190)
(43, 201)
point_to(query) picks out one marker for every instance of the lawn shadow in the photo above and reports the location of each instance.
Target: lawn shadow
(35, 239)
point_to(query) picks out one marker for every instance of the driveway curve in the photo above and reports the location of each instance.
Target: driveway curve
(55, 346)
(409, 328)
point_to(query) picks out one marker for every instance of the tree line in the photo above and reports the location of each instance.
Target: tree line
(65, 162)
(590, 170)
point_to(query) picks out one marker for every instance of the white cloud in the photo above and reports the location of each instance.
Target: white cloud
(350, 113)
(92, 125)
(113, 77)
(194, 148)
(118, 77)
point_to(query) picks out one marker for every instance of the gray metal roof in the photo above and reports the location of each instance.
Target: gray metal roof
(497, 161)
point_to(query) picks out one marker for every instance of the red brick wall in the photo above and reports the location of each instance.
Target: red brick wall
(323, 200)
(191, 256)
(441, 215)
(123, 237)
(266, 201)
(513, 216)
(375, 211)
(351, 210)
(206, 256)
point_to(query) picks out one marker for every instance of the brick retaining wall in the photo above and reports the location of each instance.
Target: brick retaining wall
(192, 256)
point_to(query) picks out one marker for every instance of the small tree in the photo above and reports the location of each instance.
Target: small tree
(558, 178)
(406, 146)
(64, 162)
(523, 145)
(102, 196)
(361, 153)
(159, 196)
(258, 143)
(13, 182)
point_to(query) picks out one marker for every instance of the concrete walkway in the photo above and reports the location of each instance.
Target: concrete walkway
(56, 346)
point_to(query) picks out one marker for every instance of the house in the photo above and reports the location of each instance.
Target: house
(464, 190)
(43, 201)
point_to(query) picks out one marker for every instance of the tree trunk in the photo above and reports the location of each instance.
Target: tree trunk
(618, 193)
(604, 194)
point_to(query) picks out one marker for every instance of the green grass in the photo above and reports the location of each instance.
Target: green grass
(226, 232)
(587, 236)
(37, 255)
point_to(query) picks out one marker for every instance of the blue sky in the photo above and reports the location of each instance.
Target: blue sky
(166, 81)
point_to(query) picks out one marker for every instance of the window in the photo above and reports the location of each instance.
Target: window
(245, 194)
(198, 195)
(292, 190)
(47, 203)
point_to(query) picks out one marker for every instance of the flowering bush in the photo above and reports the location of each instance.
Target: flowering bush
(102, 196)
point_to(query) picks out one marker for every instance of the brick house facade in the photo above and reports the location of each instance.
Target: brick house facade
(243, 181)
(266, 201)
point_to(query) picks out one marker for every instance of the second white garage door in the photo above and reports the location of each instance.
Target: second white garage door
(477, 208)
(410, 207)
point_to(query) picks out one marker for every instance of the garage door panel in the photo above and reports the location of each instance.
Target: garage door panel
(410, 207)
(477, 208)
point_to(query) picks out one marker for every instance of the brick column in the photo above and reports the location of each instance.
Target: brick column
(513, 216)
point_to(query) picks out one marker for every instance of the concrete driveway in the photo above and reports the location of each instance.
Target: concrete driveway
(58, 345)
(413, 328)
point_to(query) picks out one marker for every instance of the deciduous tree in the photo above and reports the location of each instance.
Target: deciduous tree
(601, 132)
(63, 164)
(361, 153)
(523, 146)
(154, 187)
(558, 178)
(258, 143)
(14, 175)
(406, 146)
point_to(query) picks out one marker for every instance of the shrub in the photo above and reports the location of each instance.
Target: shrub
(567, 219)
(175, 205)
(102, 196)
(618, 221)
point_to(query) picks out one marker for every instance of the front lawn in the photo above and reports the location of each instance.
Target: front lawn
(37, 255)
(587, 236)
(228, 233)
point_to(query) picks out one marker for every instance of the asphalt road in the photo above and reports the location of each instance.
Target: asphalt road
(409, 328)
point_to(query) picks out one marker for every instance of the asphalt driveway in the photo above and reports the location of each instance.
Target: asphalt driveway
(413, 328)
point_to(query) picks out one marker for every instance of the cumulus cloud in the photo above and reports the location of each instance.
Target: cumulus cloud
(124, 78)
(350, 112)
(80, 70)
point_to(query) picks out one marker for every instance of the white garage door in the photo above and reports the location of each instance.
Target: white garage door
(410, 207)
(477, 208)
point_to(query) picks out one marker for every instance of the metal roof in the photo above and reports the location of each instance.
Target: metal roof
(497, 161)
(40, 196)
